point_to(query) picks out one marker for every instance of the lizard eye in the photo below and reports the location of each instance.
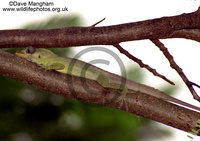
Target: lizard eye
(30, 50)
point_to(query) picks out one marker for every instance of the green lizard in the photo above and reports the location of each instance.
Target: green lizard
(50, 61)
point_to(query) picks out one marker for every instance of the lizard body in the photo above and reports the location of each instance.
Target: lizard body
(48, 60)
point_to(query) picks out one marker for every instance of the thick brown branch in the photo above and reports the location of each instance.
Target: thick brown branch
(193, 34)
(72, 87)
(160, 28)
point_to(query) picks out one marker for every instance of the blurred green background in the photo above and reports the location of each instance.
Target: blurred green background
(29, 114)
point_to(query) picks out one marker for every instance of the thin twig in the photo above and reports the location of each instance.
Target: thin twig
(173, 65)
(141, 64)
(98, 22)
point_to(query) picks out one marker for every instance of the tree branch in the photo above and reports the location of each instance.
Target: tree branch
(173, 65)
(193, 34)
(141, 64)
(74, 87)
(161, 28)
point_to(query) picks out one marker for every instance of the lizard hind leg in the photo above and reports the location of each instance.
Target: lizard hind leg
(103, 80)
(123, 97)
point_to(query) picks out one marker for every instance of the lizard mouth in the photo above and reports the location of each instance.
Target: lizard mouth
(21, 54)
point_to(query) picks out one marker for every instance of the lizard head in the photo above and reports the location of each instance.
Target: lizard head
(37, 55)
